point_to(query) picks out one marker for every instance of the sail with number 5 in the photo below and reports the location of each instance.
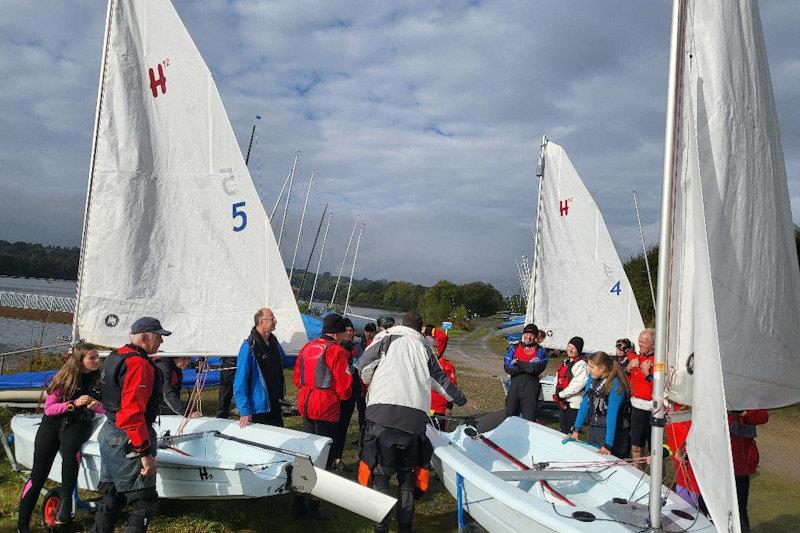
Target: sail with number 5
(173, 227)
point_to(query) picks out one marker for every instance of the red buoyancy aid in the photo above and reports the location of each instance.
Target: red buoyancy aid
(522, 356)
(563, 377)
(640, 386)
(439, 402)
(322, 376)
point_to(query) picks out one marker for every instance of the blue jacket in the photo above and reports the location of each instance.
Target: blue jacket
(534, 367)
(616, 397)
(249, 387)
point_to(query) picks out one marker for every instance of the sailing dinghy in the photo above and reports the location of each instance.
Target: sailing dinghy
(728, 288)
(174, 229)
(578, 286)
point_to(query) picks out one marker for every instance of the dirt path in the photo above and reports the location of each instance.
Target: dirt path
(472, 352)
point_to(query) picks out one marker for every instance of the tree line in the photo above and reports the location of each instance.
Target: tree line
(38, 261)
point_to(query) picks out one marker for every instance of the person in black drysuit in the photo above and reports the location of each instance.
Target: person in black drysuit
(226, 387)
(524, 362)
(69, 410)
(171, 372)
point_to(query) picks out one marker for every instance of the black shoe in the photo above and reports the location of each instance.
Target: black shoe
(343, 467)
(64, 512)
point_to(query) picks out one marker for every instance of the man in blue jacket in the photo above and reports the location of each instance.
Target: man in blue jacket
(258, 386)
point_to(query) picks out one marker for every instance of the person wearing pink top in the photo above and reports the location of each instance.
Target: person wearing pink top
(73, 399)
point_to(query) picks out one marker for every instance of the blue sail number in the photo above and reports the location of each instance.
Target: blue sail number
(239, 213)
(616, 289)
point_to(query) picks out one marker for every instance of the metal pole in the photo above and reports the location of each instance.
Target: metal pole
(671, 154)
(353, 270)
(313, 247)
(532, 283)
(341, 269)
(300, 231)
(644, 251)
(288, 196)
(285, 182)
(75, 332)
(250, 146)
(319, 262)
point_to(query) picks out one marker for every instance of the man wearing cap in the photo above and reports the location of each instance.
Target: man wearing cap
(524, 361)
(259, 386)
(323, 380)
(131, 396)
(401, 367)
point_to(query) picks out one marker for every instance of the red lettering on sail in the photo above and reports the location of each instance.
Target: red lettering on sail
(563, 207)
(160, 82)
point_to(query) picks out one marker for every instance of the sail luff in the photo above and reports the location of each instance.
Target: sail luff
(669, 179)
(540, 170)
(92, 159)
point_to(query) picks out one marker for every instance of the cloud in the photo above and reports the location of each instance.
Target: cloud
(423, 118)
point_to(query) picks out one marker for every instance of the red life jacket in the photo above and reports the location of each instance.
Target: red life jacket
(522, 357)
(323, 379)
(439, 402)
(314, 371)
(563, 377)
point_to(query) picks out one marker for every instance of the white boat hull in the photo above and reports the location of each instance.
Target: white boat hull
(219, 468)
(523, 506)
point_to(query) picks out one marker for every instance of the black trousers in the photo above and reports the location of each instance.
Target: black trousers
(346, 409)
(566, 418)
(273, 418)
(523, 397)
(50, 439)
(225, 392)
(324, 429)
(742, 495)
(143, 502)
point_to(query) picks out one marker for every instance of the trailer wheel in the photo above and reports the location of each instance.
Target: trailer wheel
(50, 505)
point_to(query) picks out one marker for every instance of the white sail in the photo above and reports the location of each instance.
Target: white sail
(175, 228)
(734, 282)
(578, 284)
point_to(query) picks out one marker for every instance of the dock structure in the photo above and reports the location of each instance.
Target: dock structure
(45, 307)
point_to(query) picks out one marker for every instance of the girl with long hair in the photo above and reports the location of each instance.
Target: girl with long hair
(604, 400)
(73, 399)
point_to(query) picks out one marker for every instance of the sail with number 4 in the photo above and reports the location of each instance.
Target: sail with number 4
(733, 284)
(173, 227)
(578, 287)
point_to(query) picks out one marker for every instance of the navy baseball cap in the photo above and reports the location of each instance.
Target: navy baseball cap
(148, 324)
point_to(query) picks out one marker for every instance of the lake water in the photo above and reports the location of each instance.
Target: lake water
(20, 334)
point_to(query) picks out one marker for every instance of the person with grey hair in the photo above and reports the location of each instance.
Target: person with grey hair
(640, 374)
(259, 386)
(131, 396)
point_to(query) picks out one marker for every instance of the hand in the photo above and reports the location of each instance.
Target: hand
(604, 451)
(575, 435)
(647, 364)
(83, 400)
(148, 466)
(93, 405)
(198, 414)
(244, 421)
(514, 361)
(633, 363)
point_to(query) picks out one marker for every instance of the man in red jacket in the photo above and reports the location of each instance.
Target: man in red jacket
(640, 374)
(440, 405)
(742, 426)
(322, 377)
(131, 397)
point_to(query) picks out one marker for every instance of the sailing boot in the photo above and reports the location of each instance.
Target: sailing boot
(64, 511)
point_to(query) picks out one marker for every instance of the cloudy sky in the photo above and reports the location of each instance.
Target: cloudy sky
(423, 118)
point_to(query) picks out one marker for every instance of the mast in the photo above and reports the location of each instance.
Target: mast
(288, 196)
(300, 231)
(250, 145)
(346, 251)
(353, 270)
(644, 250)
(319, 263)
(106, 33)
(313, 247)
(671, 155)
(280, 195)
(532, 281)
